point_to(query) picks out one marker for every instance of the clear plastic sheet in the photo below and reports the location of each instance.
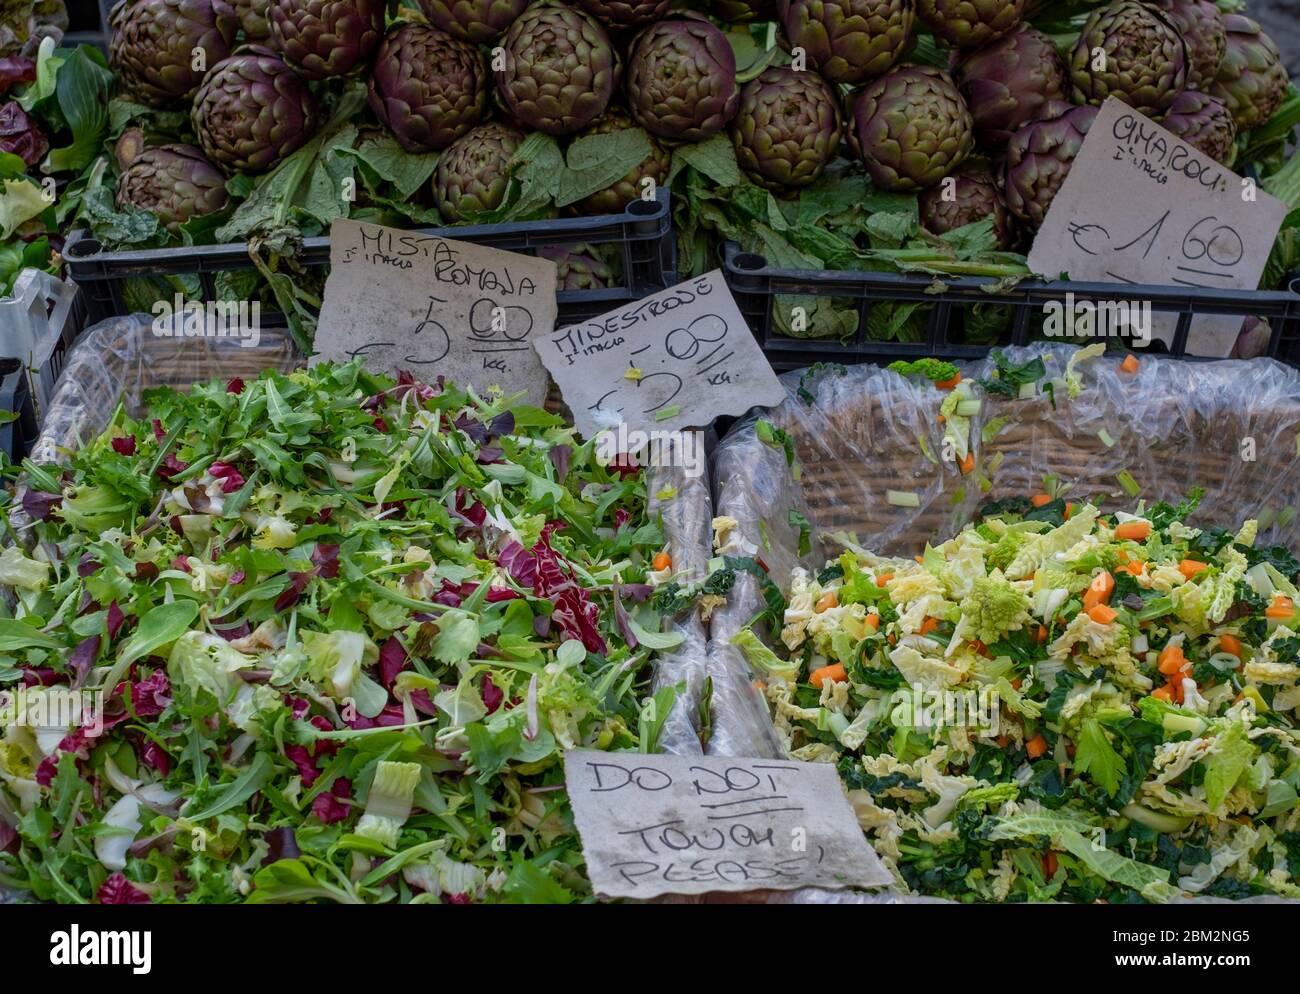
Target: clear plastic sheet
(1227, 426)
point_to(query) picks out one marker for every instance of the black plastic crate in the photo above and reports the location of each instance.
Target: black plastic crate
(17, 436)
(756, 287)
(643, 234)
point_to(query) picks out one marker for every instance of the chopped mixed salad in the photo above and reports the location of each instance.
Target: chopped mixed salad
(327, 635)
(1057, 704)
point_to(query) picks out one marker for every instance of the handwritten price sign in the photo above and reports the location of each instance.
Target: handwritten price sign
(1142, 206)
(409, 301)
(674, 360)
(655, 825)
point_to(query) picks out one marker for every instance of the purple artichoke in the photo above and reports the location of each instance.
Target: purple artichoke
(965, 198)
(477, 21)
(252, 111)
(471, 177)
(578, 268)
(743, 11)
(1130, 51)
(681, 79)
(1008, 82)
(1039, 157)
(970, 23)
(1203, 29)
(1205, 123)
(321, 38)
(175, 182)
(786, 129)
(20, 136)
(254, 19)
(615, 198)
(913, 128)
(155, 42)
(560, 69)
(849, 41)
(621, 14)
(427, 87)
(1252, 81)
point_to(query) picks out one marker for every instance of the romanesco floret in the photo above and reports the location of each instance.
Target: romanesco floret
(994, 607)
(1003, 554)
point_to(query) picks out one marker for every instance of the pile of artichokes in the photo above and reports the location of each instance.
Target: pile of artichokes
(987, 99)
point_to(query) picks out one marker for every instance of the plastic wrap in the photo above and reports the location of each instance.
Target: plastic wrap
(1227, 426)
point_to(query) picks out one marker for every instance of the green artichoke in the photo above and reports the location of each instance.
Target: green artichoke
(743, 11)
(969, 23)
(1130, 51)
(1205, 123)
(320, 38)
(254, 19)
(913, 128)
(427, 87)
(1252, 81)
(655, 165)
(252, 111)
(471, 177)
(477, 21)
(1008, 82)
(620, 14)
(681, 80)
(154, 44)
(786, 129)
(174, 182)
(971, 196)
(849, 41)
(1039, 157)
(560, 69)
(579, 268)
(1203, 29)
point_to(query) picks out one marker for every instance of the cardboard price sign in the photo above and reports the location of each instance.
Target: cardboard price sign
(432, 306)
(654, 825)
(1142, 206)
(674, 360)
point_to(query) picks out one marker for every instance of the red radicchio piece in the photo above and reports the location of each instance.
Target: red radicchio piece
(20, 136)
(231, 478)
(392, 660)
(83, 658)
(297, 584)
(492, 694)
(560, 457)
(152, 754)
(235, 385)
(172, 467)
(124, 445)
(115, 620)
(328, 806)
(15, 70)
(326, 560)
(280, 844)
(519, 563)
(38, 504)
(158, 432)
(118, 890)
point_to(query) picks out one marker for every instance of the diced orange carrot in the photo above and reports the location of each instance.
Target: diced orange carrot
(893, 639)
(834, 673)
(829, 600)
(1049, 864)
(873, 621)
(1036, 746)
(1230, 644)
(1042, 633)
(1280, 608)
(1002, 741)
(978, 647)
(1038, 500)
(1133, 531)
(1190, 567)
(948, 384)
(1171, 660)
(942, 419)
(1069, 509)
(1163, 694)
(967, 464)
(1122, 555)
(1130, 363)
(927, 626)
(1099, 590)
(1176, 688)
(1103, 614)
(1135, 566)
(919, 559)
(1015, 684)
(662, 561)
(883, 578)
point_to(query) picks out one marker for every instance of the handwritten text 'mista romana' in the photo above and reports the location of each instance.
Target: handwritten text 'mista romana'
(400, 250)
